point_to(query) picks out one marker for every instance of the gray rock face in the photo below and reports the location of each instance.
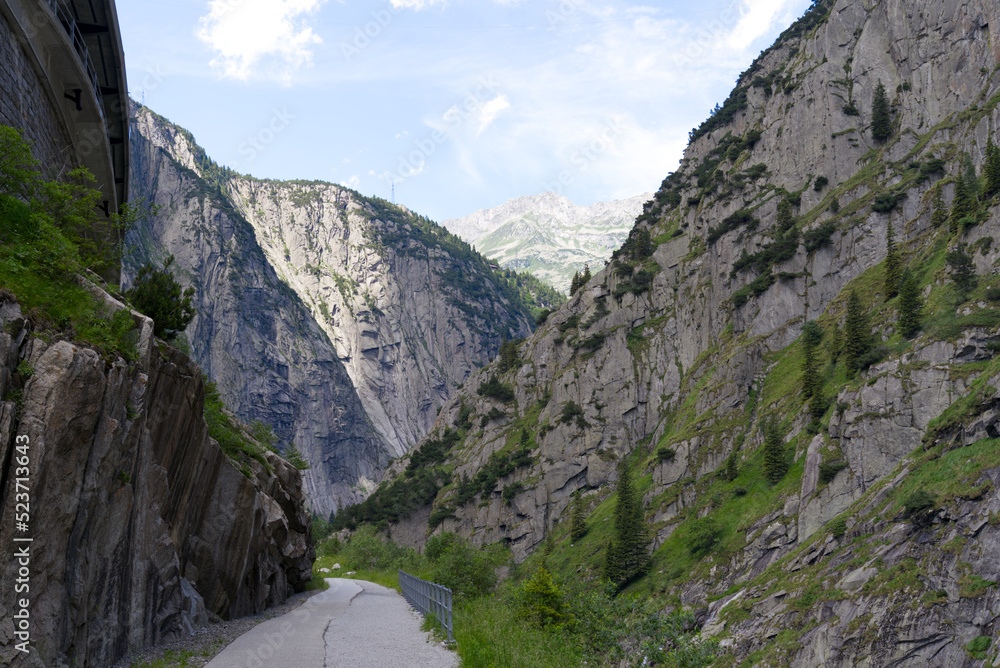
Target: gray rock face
(141, 523)
(681, 363)
(344, 323)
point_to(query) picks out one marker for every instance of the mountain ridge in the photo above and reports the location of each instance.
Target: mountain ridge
(548, 234)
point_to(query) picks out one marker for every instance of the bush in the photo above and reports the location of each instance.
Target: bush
(885, 202)
(873, 356)
(819, 237)
(838, 527)
(703, 536)
(467, 570)
(821, 182)
(665, 454)
(162, 298)
(541, 599)
(494, 389)
(918, 501)
(829, 471)
(370, 550)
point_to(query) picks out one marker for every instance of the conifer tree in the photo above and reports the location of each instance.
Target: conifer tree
(775, 466)
(910, 305)
(817, 407)
(542, 599)
(963, 271)
(836, 343)
(578, 528)
(856, 332)
(962, 205)
(992, 169)
(892, 264)
(156, 294)
(628, 551)
(575, 284)
(939, 215)
(732, 467)
(786, 216)
(812, 335)
(881, 117)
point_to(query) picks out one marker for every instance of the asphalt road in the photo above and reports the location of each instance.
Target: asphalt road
(355, 624)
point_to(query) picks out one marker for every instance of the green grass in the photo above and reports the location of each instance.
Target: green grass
(489, 633)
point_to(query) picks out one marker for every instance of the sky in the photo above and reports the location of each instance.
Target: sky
(448, 106)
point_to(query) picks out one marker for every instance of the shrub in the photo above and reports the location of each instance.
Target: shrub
(494, 389)
(570, 410)
(665, 454)
(821, 236)
(467, 570)
(157, 294)
(919, 500)
(838, 527)
(703, 536)
(829, 470)
(821, 182)
(885, 202)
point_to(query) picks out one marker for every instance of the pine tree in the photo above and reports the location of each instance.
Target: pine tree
(817, 407)
(910, 305)
(542, 599)
(961, 206)
(812, 335)
(836, 343)
(578, 528)
(892, 264)
(628, 551)
(992, 169)
(775, 466)
(939, 215)
(856, 332)
(732, 467)
(963, 271)
(575, 284)
(786, 216)
(881, 117)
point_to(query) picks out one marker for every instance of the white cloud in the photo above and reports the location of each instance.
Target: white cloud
(757, 17)
(254, 38)
(490, 111)
(416, 5)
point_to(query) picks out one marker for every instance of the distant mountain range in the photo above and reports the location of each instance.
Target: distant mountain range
(549, 235)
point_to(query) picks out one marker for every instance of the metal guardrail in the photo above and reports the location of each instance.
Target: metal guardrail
(429, 598)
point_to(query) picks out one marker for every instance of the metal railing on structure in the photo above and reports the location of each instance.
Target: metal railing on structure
(80, 46)
(429, 598)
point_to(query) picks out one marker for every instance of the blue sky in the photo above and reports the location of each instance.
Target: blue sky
(462, 104)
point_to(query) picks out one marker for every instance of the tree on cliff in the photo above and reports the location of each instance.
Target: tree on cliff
(812, 335)
(157, 294)
(628, 551)
(775, 465)
(963, 271)
(992, 169)
(881, 116)
(910, 305)
(856, 332)
(892, 267)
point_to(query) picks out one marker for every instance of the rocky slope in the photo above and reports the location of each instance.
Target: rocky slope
(142, 525)
(341, 321)
(673, 356)
(549, 235)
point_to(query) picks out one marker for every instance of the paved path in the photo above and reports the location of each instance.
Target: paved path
(354, 624)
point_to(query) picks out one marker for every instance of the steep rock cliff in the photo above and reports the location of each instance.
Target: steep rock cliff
(141, 524)
(344, 322)
(673, 356)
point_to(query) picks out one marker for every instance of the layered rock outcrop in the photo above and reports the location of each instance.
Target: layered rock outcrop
(141, 525)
